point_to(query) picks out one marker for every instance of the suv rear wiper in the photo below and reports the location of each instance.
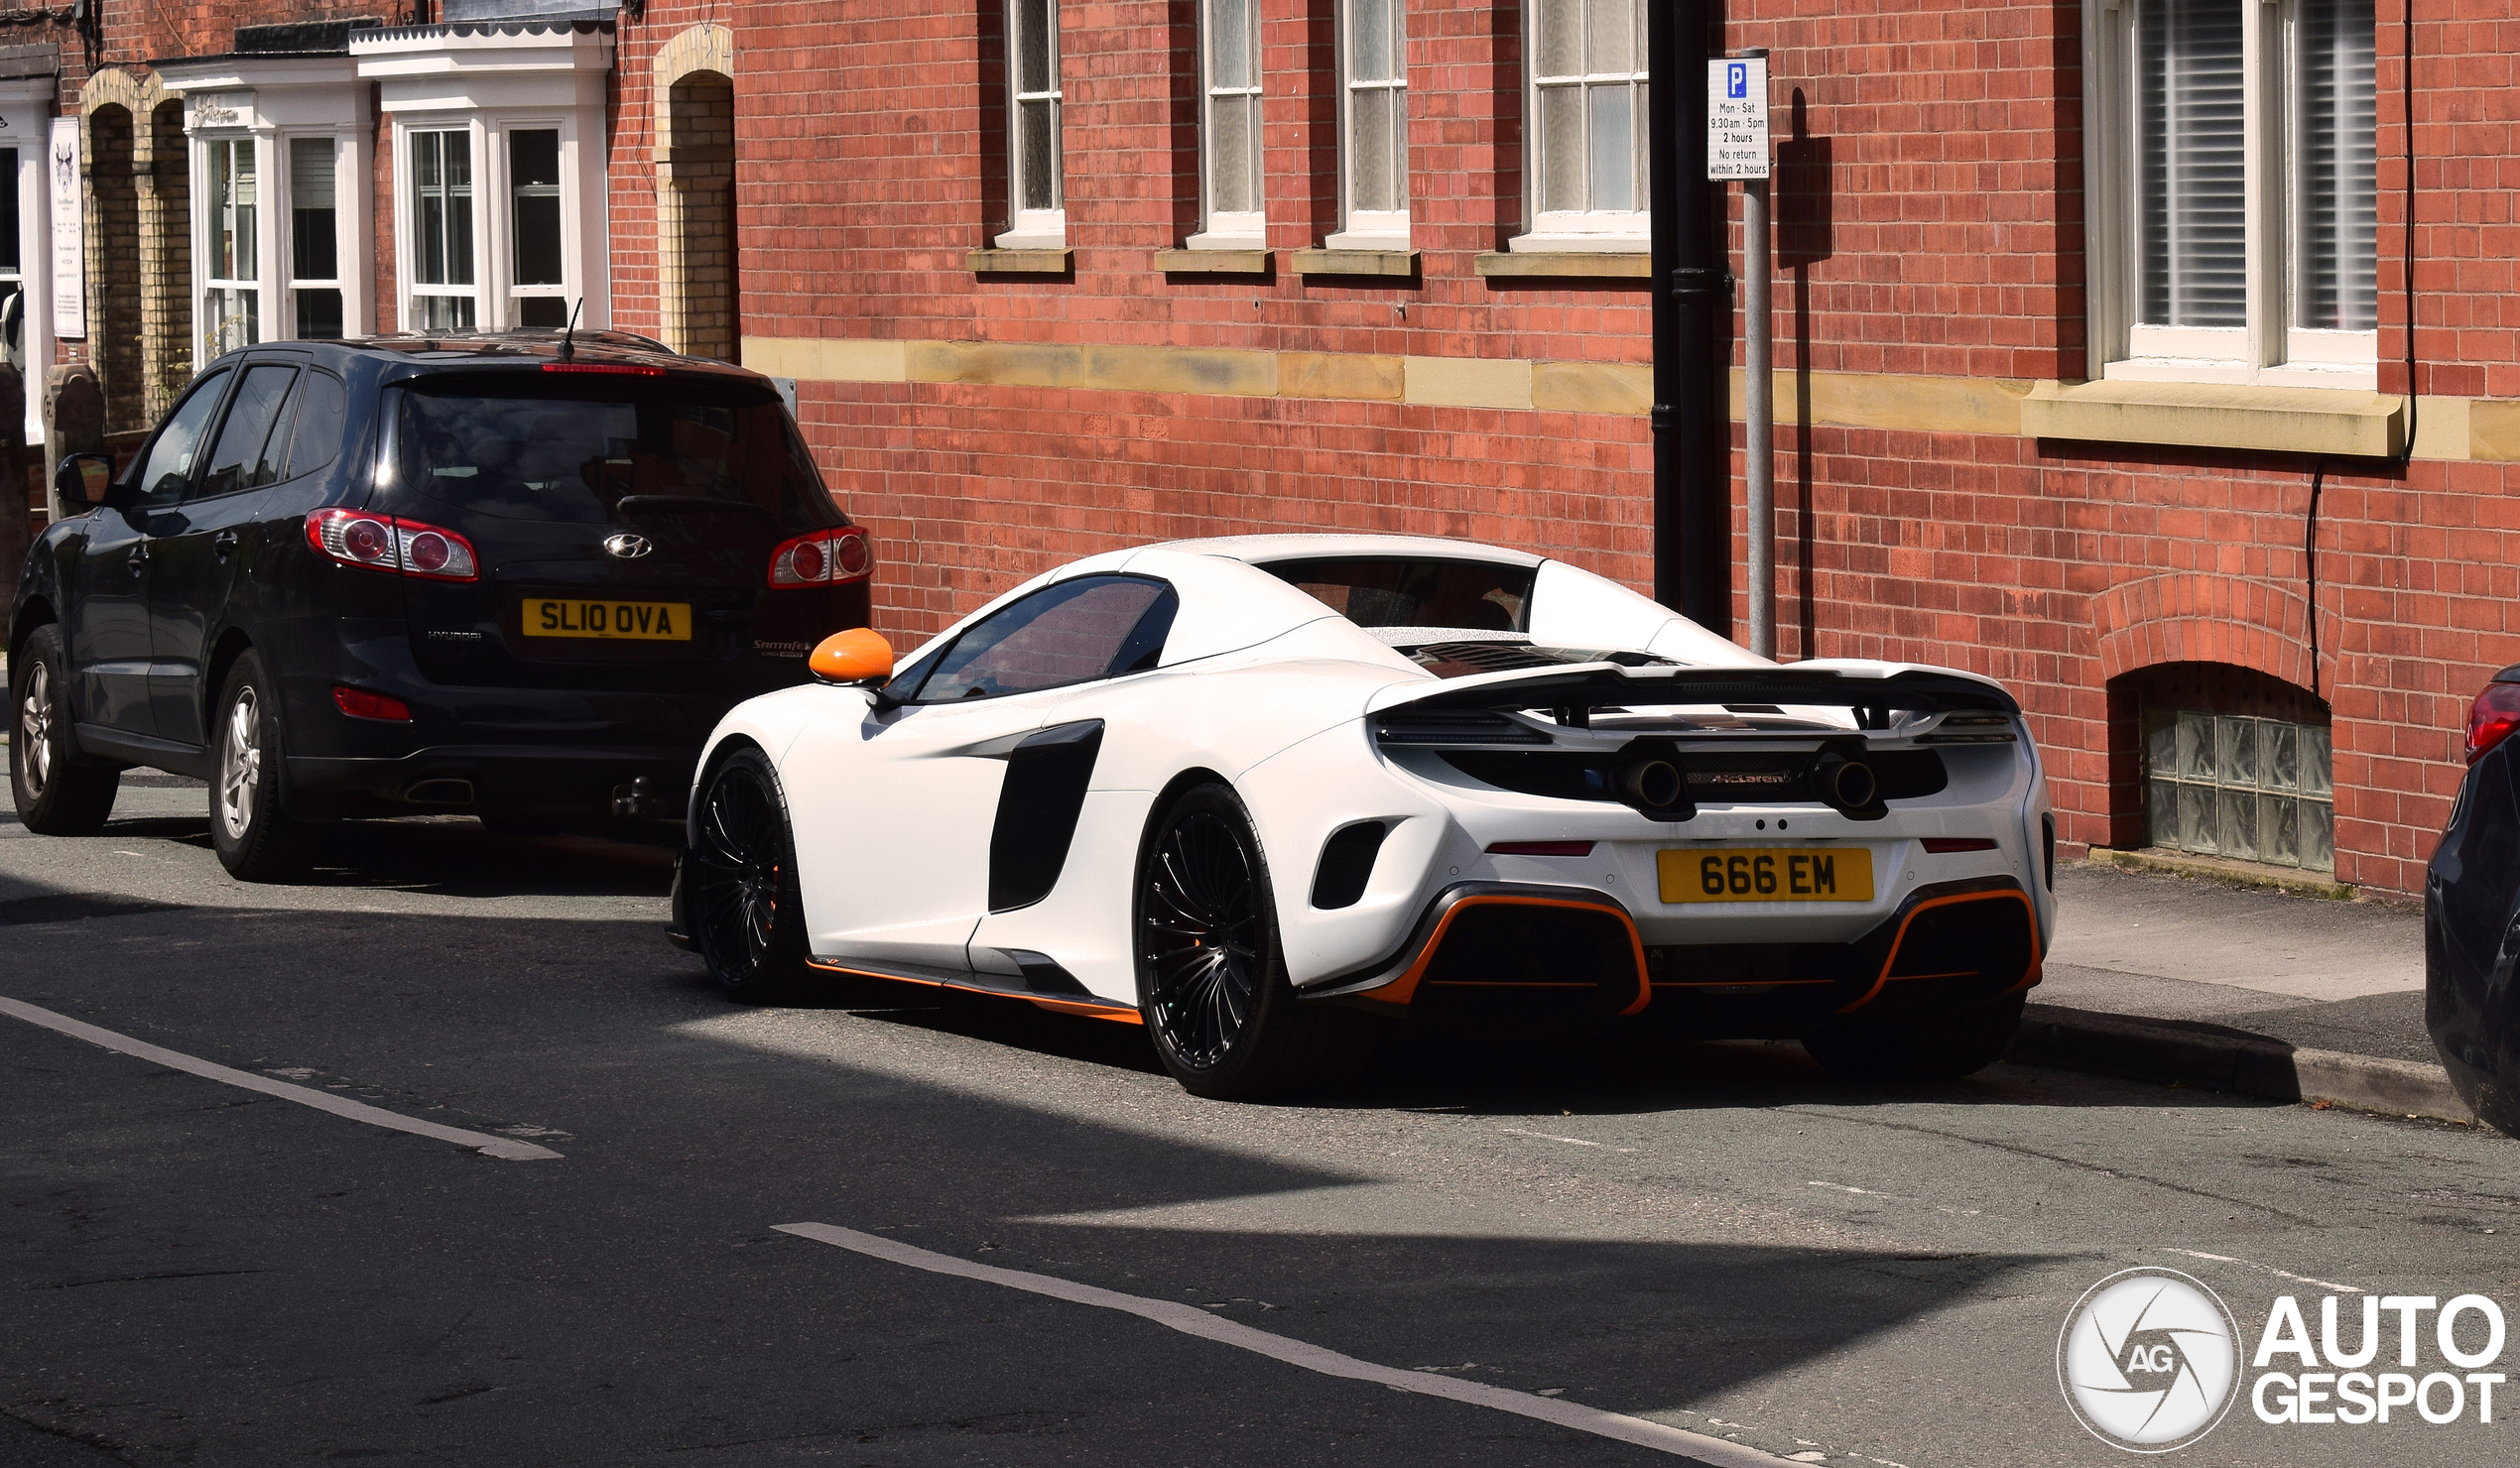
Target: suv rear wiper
(682, 504)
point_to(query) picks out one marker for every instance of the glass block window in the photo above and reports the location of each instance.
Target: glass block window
(2235, 786)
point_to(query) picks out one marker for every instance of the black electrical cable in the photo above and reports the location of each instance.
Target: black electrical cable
(2406, 107)
(2310, 559)
(2406, 448)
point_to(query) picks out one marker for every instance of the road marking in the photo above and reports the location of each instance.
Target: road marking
(1191, 1320)
(503, 1147)
(2270, 1269)
(1861, 1192)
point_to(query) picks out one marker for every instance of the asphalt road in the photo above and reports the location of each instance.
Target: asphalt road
(1713, 1238)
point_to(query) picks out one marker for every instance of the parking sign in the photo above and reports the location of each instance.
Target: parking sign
(1737, 117)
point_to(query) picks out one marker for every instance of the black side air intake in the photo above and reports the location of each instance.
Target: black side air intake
(1347, 863)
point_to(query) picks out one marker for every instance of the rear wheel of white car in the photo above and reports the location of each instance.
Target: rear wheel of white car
(747, 908)
(1211, 983)
(1943, 1046)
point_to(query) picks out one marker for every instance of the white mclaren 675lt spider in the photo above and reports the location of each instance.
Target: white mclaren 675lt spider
(1265, 795)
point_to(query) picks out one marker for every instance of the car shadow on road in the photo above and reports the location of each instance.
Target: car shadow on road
(456, 856)
(1612, 1074)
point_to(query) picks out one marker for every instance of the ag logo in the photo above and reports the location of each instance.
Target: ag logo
(2147, 1359)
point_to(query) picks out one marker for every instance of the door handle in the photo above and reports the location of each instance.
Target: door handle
(139, 554)
(224, 544)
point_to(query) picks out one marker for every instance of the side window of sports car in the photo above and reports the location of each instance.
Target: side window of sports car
(1074, 632)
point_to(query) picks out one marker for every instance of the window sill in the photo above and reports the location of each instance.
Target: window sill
(1351, 261)
(2340, 376)
(1567, 264)
(1018, 262)
(1212, 262)
(2324, 421)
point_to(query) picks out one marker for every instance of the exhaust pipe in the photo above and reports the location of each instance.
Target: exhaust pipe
(1650, 778)
(1842, 783)
(440, 793)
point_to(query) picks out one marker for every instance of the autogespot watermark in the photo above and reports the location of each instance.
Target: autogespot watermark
(2150, 1361)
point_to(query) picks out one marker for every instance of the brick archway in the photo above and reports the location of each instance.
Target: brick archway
(698, 305)
(138, 316)
(2194, 617)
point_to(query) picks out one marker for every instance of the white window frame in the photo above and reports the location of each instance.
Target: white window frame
(207, 286)
(1034, 228)
(347, 157)
(408, 142)
(506, 287)
(1360, 228)
(1230, 229)
(26, 106)
(274, 102)
(2268, 351)
(490, 83)
(1602, 230)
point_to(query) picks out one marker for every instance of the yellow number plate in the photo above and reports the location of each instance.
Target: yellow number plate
(1766, 874)
(638, 620)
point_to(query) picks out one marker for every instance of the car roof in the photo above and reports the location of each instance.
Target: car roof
(1266, 549)
(478, 349)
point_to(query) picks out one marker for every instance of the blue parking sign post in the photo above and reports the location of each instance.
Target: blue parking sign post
(1737, 148)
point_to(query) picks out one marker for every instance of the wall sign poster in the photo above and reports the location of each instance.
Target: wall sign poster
(70, 231)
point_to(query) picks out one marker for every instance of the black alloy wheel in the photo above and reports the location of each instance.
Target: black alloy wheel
(1210, 985)
(55, 797)
(747, 908)
(1201, 939)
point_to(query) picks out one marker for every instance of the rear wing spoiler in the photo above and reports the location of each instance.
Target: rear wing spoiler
(1872, 691)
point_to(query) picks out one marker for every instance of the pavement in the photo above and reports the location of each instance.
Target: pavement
(2261, 992)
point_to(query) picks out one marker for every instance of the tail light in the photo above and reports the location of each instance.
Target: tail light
(824, 558)
(2490, 722)
(1945, 845)
(387, 542)
(359, 703)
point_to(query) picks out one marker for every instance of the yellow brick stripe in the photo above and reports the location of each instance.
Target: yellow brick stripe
(2290, 421)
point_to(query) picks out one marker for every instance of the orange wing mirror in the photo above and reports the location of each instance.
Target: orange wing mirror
(857, 656)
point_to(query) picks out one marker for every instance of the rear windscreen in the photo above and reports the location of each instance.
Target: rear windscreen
(526, 446)
(1392, 592)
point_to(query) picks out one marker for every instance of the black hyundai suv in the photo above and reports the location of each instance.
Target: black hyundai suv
(515, 575)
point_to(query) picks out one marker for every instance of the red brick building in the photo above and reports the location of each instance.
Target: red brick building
(2074, 306)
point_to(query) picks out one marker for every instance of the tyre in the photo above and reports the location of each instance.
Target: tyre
(54, 797)
(254, 836)
(1211, 983)
(1935, 1046)
(747, 908)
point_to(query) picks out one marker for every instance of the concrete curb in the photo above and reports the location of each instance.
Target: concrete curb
(2216, 1058)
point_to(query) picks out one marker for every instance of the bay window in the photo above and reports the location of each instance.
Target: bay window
(280, 162)
(2235, 234)
(499, 209)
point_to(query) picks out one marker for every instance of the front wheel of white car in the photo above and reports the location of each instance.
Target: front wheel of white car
(1212, 984)
(1933, 1046)
(747, 907)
